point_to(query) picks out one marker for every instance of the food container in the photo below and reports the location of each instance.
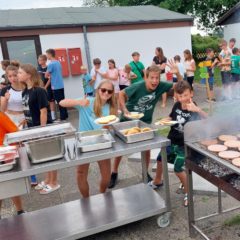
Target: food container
(6, 164)
(39, 133)
(120, 127)
(44, 150)
(94, 140)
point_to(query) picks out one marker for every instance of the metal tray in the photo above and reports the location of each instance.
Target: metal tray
(45, 150)
(94, 140)
(138, 137)
(39, 132)
(7, 166)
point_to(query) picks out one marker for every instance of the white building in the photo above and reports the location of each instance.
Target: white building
(113, 32)
(231, 23)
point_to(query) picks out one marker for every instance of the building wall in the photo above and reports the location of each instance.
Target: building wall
(232, 30)
(119, 45)
(72, 84)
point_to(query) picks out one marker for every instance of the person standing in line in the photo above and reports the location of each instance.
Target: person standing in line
(42, 69)
(190, 66)
(231, 44)
(235, 72)
(54, 72)
(177, 60)
(160, 60)
(98, 73)
(4, 80)
(225, 67)
(87, 82)
(126, 76)
(37, 113)
(112, 75)
(137, 67)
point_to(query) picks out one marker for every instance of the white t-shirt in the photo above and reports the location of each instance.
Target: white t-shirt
(99, 78)
(15, 99)
(181, 69)
(187, 65)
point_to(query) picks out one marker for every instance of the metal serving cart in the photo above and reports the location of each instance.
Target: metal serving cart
(221, 173)
(84, 217)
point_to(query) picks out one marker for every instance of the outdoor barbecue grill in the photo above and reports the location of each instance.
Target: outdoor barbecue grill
(220, 172)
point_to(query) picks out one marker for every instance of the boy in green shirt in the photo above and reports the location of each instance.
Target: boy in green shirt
(142, 97)
(137, 67)
(235, 72)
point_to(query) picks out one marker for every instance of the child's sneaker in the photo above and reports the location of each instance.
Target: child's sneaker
(180, 189)
(155, 186)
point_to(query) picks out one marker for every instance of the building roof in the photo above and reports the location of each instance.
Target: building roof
(94, 16)
(232, 16)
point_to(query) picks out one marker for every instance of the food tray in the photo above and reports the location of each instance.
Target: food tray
(94, 140)
(7, 166)
(39, 132)
(138, 137)
(45, 150)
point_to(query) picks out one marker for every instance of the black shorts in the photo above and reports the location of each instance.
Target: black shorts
(122, 87)
(50, 94)
(235, 77)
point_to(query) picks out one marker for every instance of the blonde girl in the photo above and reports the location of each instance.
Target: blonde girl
(37, 113)
(89, 109)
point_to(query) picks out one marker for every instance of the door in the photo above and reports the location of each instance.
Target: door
(24, 49)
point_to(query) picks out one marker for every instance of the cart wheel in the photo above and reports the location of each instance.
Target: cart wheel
(164, 220)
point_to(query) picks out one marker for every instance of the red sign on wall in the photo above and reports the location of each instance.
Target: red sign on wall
(61, 56)
(75, 60)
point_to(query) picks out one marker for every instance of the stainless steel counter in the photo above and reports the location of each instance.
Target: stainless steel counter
(25, 168)
(98, 213)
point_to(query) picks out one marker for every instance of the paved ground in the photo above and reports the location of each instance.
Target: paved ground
(130, 173)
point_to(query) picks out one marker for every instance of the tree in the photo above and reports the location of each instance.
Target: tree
(206, 11)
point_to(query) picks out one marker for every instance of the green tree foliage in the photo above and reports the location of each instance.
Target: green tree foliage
(206, 11)
(201, 43)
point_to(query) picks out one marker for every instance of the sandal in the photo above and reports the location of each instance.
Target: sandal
(40, 186)
(185, 200)
(155, 186)
(48, 189)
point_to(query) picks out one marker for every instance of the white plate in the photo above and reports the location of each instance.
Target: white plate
(170, 123)
(129, 116)
(107, 124)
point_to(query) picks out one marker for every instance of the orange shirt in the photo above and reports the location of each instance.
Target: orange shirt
(6, 126)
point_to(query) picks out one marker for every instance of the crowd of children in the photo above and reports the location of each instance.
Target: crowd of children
(29, 94)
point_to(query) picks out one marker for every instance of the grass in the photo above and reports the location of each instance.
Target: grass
(232, 221)
(217, 76)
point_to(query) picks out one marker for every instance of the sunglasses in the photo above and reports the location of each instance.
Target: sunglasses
(104, 90)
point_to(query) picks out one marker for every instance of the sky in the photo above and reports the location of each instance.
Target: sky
(23, 4)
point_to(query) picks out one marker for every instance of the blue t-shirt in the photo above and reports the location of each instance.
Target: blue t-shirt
(87, 116)
(86, 78)
(55, 69)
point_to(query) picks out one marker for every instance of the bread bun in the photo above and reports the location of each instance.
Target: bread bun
(107, 119)
(147, 129)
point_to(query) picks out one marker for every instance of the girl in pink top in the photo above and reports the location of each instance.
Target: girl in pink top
(112, 75)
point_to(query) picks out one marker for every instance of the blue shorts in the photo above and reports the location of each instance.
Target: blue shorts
(226, 78)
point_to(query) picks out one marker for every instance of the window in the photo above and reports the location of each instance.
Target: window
(24, 49)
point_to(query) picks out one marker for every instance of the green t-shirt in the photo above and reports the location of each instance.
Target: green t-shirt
(137, 70)
(235, 64)
(144, 101)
